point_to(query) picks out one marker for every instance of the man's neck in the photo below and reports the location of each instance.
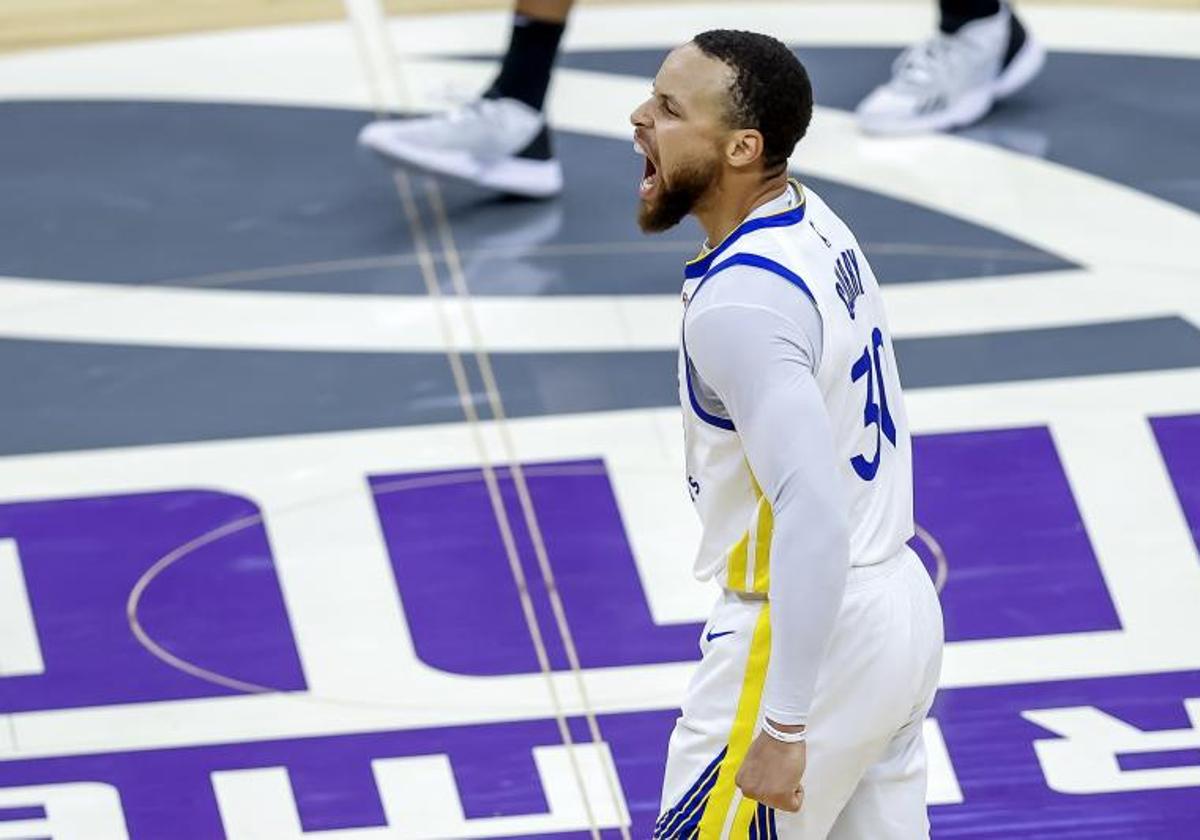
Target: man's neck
(724, 211)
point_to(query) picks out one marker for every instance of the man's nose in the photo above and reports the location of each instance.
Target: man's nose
(638, 118)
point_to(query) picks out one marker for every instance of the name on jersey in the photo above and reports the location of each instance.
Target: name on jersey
(849, 280)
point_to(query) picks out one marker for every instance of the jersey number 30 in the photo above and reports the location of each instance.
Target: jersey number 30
(875, 413)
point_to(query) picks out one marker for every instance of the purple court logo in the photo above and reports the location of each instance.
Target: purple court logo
(237, 680)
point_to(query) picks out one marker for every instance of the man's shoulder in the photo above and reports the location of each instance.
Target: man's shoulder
(744, 284)
(811, 248)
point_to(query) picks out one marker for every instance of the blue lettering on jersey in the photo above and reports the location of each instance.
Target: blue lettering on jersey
(849, 280)
(875, 412)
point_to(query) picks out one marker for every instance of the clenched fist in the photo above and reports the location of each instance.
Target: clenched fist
(771, 773)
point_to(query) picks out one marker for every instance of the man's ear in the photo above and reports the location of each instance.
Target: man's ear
(744, 147)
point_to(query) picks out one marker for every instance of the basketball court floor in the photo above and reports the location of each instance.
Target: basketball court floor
(343, 503)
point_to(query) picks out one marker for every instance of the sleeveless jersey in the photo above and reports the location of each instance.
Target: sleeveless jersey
(809, 247)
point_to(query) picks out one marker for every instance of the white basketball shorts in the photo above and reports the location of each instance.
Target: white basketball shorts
(865, 777)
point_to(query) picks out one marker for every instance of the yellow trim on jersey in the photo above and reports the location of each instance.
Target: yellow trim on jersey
(745, 722)
(704, 252)
(748, 563)
(762, 546)
(735, 570)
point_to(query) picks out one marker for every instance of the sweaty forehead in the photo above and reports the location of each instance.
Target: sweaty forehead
(695, 80)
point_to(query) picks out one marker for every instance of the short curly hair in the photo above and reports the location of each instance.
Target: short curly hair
(770, 91)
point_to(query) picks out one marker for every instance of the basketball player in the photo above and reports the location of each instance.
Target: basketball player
(821, 656)
(981, 53)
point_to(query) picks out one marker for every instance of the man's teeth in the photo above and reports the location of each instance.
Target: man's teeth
(637, 147)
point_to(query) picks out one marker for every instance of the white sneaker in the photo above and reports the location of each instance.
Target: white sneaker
(500, 144)
(951, 81)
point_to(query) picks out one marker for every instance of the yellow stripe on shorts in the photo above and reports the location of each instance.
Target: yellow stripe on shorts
(745, 722)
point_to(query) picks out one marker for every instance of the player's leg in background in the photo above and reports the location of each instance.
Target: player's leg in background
(955, 14)
(981, 53)
(537, 29)
(500, 141)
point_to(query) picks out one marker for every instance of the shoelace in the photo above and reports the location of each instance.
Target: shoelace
(930, 61)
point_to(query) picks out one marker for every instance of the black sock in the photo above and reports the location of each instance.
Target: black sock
(958, 13)
(525, 73)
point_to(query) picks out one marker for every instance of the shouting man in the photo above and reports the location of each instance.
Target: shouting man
(821, 657)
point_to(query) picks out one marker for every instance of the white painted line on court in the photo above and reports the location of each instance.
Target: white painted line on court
(154, 316)
(20, 651)
(1084, 218)
(1060, 210)
(1112, 466)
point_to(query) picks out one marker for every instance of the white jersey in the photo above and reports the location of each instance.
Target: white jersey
(809, 247)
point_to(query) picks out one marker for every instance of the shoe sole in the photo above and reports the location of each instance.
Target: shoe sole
(512, 175)
(971, 107)
(524, 177)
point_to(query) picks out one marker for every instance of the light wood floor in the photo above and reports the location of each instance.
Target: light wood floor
(29, 24)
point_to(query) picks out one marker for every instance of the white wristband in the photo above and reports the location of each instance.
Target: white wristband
(785, 737)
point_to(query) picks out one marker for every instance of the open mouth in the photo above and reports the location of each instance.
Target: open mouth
(650, 178)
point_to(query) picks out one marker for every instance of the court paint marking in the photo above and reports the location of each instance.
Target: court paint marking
(979, 183)
(367, 651)
(20, 652)
(71, 811)
(1083, 759)
(1078, 216)
(421, 800)
(942, 783)
(55, 310)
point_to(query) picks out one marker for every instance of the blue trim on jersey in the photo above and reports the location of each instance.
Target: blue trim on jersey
(711, 419)
(700, 265)
(754, 261)
(765, 263)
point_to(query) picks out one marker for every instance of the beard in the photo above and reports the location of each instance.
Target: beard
(678, 199)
